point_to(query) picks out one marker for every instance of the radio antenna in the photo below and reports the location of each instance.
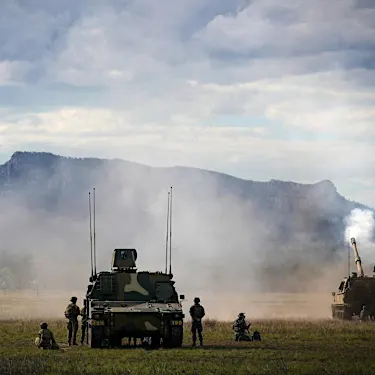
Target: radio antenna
(170, 234)
(94, 235)
(92, 267)
(166, 240)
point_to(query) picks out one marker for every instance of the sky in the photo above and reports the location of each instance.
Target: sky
(261, 89)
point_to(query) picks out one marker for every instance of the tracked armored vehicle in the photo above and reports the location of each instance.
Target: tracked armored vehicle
(354, 292)
(126, 303)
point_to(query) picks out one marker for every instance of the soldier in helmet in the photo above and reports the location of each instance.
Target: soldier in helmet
(197, 313)
(45, 339)
(241, 329)
(71, 313)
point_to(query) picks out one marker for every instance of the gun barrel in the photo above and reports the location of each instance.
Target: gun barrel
(357, 258)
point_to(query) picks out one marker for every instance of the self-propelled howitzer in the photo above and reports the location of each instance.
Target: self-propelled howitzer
(128, 303)
(354, 292)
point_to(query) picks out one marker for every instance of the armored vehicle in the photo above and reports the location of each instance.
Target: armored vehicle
(129, 303)
(354, 292)
(134, 304)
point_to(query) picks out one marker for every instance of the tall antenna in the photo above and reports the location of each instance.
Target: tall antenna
(94, 235)
(166, 240)
(92, 268)
(170, 235)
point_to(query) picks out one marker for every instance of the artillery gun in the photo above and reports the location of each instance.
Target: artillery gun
(354, 292)
(133, 304)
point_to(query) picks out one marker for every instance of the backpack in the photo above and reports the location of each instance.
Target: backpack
(256, 336)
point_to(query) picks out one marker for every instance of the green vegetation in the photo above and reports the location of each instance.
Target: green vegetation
(287, 347)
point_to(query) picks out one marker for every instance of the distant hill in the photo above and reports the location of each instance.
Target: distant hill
(222, 225)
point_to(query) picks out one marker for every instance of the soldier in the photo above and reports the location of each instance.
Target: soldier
(71, 313)
(83, 324)
(197, 313)
(45, 339)
(241, 328)
(364, 314)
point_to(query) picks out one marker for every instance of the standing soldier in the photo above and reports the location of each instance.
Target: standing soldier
(364, 313)
(71, 313)
(83, 324)
(197, 313)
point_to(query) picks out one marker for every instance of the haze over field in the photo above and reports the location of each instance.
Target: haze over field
(231, 238)
(262, 90)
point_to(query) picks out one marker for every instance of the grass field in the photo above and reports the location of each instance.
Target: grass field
(288, 347)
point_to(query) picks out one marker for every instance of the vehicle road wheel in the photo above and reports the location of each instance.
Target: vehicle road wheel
(95, 337)
(174, 338)
(155, 342)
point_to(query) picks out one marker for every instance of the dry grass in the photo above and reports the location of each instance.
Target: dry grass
(288, 346)
(291, 347)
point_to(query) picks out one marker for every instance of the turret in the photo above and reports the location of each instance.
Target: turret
(124, 259)
(357, 258)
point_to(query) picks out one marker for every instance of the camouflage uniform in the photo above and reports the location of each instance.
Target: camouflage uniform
(197, 313)
(241, 328)
(45, 339)
(71, 313)
(83, 325)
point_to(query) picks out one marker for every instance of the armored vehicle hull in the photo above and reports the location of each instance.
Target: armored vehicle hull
(354, 292)
(110, 323)
(125, 303)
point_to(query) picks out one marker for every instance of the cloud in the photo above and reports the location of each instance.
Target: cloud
(225, 85)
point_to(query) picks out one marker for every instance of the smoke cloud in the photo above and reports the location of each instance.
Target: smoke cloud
(230, 249)
(360, 224)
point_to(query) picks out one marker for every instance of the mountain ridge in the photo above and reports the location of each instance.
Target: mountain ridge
(280, 228)
(36, 156)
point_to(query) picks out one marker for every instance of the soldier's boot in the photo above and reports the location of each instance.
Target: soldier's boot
(194, 343)
(200, 336)
(194, 337)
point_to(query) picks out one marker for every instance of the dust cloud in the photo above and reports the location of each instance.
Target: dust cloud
(361, 226)
(227, 249)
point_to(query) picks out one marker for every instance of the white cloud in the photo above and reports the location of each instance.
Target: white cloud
(292, 82)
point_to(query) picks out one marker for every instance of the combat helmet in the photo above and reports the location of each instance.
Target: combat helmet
(241, 315)
(73, 299)
(43, 325)
(197, 300)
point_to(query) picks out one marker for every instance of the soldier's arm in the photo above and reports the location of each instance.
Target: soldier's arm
(52, 337)
(191, 311)
(203, 312)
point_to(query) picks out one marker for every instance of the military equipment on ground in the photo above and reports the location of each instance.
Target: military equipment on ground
(354, 292)
(125, 303)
